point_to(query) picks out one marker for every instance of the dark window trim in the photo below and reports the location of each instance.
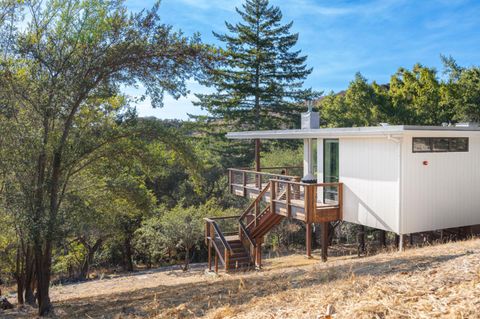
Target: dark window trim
(431, 145)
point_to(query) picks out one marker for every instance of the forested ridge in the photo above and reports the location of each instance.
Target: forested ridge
(87, 186)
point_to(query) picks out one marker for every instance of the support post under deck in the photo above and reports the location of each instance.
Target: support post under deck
(209, 255)
(308, 240)
(400, 242)
(325, 241)
(258, 254)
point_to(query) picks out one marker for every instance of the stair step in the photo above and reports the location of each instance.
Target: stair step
(239, 257)
(240, 269)
(239, 263)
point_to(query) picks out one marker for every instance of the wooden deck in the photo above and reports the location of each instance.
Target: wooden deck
(274, 197)
(329, 210)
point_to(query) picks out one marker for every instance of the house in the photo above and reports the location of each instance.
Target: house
(403, 179)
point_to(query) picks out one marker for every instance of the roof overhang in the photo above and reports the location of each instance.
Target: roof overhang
(371, 131)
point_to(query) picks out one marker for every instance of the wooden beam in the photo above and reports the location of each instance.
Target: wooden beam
(258, 253)
(324, 230)
(227, 259)
(308, 239)
(273, 195)
(216, 262)
(289, 207)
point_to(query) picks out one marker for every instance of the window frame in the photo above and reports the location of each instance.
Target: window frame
(431, 141)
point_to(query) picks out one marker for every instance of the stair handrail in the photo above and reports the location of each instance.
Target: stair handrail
(244, 233)
(263, 212)
(219, 233)
(244, 230)
(255, 201)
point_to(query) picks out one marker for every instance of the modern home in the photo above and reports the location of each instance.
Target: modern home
(399, 178)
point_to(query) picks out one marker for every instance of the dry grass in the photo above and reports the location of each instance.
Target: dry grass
(433, 282)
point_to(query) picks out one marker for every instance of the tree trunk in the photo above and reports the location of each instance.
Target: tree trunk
(20, 276)
(91, 250)
(85, 269)
(29, 276)
(127, 263)
(187, 259)
(43, 271)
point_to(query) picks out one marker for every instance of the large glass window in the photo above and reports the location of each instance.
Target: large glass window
(330, 168)
(439, 144)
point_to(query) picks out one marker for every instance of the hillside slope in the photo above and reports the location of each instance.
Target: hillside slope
(438, 281)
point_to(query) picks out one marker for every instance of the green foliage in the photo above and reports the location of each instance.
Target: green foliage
(175, 232)
(282, 157)
(61, 78)
(65, 264)
(413, 97)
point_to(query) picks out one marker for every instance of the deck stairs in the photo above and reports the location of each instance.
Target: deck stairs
(235, 241)
(241, 251)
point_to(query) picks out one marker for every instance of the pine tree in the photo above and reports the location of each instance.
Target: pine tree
(259, 82)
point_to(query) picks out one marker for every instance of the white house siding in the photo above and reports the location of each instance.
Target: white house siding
(446, 192)
(369, 169)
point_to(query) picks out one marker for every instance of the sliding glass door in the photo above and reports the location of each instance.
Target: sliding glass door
(330, 168)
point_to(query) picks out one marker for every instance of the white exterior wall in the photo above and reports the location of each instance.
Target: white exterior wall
(369, 169)
(443, 194)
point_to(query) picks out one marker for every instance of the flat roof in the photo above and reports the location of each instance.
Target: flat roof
(354, 132)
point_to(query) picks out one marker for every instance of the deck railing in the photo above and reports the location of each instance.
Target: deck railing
(247, 179)
(304, 195)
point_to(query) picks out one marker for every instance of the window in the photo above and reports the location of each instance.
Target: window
(440, 144)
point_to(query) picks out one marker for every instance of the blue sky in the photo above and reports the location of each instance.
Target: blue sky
(340, 37)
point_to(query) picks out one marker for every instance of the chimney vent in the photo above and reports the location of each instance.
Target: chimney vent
(310, 119)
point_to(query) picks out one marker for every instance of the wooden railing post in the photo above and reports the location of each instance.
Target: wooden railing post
(209, 255)
(289, 207)
(273, 195)
(306, 201)
(340, 201)
(230, 180)
(216, 261)
(227, 260)
(206, 232)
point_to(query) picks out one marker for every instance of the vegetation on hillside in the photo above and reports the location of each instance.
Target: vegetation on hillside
(86, 185)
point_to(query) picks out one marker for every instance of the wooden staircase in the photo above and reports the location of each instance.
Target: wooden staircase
(242, 251)
(239, 259)
(279, 198)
